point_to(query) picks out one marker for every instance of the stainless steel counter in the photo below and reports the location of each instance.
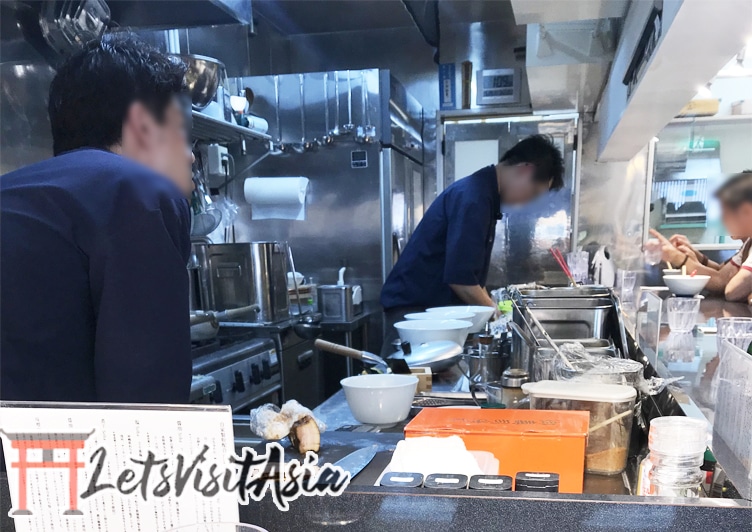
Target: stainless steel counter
(604, 506)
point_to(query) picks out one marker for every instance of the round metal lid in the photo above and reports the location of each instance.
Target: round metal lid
(514, 378)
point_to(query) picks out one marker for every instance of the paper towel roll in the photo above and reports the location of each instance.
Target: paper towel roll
(257, 123)
(280, 198)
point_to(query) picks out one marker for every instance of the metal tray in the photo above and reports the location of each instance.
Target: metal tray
(565, 292)
(569, 303)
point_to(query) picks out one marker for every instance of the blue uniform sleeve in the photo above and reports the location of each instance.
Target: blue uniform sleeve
(468, 220)
(140, 286)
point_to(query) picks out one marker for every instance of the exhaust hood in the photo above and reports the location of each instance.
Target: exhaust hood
(667, 51)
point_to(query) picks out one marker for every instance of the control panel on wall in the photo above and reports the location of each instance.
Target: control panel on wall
(498, 86)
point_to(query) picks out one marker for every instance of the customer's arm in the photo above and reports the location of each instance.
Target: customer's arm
(739, 287)
(683, 244)
(140, 290)
(718, 278)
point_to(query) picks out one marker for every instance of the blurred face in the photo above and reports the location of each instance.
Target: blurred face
(738, 220)
(162, 146)
(519, 185)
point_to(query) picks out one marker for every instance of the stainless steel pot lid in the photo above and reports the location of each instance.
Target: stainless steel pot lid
(429, 353)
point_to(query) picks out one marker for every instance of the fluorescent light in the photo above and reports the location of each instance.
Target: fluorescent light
(703, 92)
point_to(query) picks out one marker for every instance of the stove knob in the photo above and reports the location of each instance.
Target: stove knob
(239, 385)
(255, 374)
(266, 370)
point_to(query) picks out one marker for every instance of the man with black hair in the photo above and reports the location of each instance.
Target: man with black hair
(95, 241)
(447, 259)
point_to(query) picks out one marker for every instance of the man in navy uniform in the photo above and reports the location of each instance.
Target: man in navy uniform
(95, 241)
(447, 259)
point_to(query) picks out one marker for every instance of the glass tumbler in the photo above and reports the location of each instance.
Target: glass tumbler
(682, 313)
(738, 331)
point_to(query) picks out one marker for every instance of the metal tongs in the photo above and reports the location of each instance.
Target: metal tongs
(545, 334)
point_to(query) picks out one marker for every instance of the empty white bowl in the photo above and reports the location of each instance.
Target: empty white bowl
(686, 285)
(380, 399)
(448, 315)
(482, 314)
(423, 331)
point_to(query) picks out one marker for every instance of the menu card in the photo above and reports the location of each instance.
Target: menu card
(101, 467)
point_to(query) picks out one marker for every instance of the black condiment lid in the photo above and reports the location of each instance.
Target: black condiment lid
(529, 481)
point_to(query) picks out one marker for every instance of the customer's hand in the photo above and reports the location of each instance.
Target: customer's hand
(683, 244)
(670, 253)
(678, 240)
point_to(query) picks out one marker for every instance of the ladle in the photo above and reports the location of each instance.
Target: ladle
(328, 138)
(349, 127)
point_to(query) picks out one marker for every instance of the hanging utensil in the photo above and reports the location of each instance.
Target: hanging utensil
(360, 131)
(277, 147)
(328, 138)
(308, 145)
(349, 127)
(370, 129)
(299, 147)
(336, 132)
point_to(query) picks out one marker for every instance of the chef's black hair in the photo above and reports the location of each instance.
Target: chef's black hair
(92, 91)
(737, 189)
(541, 152)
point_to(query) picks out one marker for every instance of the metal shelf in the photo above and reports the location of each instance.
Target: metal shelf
(712, 120)
(210, 129)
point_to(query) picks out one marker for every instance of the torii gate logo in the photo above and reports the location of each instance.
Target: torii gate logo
(48, 444)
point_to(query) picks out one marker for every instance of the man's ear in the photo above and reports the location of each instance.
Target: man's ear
(137, 125)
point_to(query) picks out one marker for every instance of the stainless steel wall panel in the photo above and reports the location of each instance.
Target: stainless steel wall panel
(25, 135)
(612, 203)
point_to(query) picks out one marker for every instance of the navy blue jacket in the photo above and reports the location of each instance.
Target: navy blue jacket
(451, 245)
(93, 282)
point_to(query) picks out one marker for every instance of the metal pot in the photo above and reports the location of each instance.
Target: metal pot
(202, 78)
(309, 326)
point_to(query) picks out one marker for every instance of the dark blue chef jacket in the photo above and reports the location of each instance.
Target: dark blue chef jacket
(451, 245)
(93, 282)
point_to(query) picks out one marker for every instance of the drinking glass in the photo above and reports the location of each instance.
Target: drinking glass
(682, 313)
(628, 280)
(653, 251)
(738, 331)
(578, 265)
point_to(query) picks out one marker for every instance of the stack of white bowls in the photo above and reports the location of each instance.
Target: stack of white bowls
(443, 323)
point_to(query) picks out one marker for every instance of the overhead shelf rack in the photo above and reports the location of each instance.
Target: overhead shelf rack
(208, 129)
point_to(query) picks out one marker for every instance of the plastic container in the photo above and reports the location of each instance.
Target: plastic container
(606, 370)
(677, 450)
(611, 408)
(682, 313)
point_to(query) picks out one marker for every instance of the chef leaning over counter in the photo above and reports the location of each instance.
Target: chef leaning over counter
(96, 239)
(447, 258)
